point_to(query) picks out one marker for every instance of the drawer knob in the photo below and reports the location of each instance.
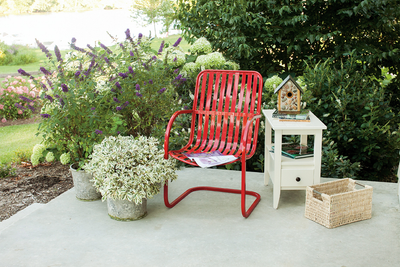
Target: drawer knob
(298, 179)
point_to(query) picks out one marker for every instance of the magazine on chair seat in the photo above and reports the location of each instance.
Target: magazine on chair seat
(210, 159)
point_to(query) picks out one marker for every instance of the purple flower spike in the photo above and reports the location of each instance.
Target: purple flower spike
(161, 48)
(45, 72)
(64, 88)
(116, 100)
(106, 60)
(150, 81)
(77, 73)
(139, 94)
(23, 73)
(90, 47)
(61, 102)
(175, 59)
(58, 54)
(118, 85)
(46, 116)
(43, 48)
(43, 86)
(98, 132)
(19, 106)
(176, 71)
(105, 48)
(118, 108)
(123, 75)
(140, 36)
(122, 46)
(49, 98)
(125, 104)
(131, 54)
(31, 108)
(137, 87)
(73, 40)
(130, 70)
(128, 34)
(92, 108)
(25, 98)
(162, 90)
(177, 42)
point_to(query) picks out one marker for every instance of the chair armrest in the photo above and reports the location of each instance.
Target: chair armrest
(246, 132)
(169, 127)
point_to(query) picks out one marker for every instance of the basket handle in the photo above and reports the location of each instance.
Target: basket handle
(315, 191)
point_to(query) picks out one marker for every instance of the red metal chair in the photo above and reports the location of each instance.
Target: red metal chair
(225, 117)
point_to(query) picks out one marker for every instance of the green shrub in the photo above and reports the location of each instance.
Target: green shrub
(16, 55)
(356, 111)
(6, 170)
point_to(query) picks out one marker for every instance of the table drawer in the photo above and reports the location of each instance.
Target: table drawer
(295, 177)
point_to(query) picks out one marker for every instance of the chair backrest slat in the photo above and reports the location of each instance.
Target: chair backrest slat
(224, 101)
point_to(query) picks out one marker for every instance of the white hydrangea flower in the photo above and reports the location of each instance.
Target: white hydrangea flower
(213, 60)
(50, 157)
(38, 149)
(35, 159)
(271, 83)
(176, 57)
(202, 45)
(65, 158)
(189, 68)
(232, 65)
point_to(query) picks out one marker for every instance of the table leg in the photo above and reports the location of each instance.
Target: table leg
(267, 142)
(277, 167)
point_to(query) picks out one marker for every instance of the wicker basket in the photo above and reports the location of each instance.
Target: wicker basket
(336, 203)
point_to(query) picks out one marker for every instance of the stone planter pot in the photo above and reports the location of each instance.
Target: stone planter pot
(84, 188)
(125, 210)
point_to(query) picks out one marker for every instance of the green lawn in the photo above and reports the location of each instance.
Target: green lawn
(17, 138)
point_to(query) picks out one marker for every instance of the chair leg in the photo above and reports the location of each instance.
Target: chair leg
(241, 191)
(244, 193)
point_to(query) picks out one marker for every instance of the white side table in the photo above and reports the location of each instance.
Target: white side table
(286, 173)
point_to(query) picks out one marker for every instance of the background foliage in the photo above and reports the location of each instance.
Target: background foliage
(275, 36)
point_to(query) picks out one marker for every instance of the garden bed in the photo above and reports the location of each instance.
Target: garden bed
(30, 185)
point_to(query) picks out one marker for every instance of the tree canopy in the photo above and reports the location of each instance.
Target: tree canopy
(276, 36)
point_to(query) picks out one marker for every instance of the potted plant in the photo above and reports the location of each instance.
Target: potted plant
(128, 171)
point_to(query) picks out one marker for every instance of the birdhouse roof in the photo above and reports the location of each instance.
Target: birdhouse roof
(285, 81)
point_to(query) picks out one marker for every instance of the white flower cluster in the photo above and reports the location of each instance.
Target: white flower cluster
(213, 60)
(232, 65)
(125, 168)
(273, 82)
(65, 158)
(189, 69)
(37, 153)
(176, 57)
(202, 45)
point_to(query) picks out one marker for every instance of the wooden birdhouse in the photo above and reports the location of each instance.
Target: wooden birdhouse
(289, 96)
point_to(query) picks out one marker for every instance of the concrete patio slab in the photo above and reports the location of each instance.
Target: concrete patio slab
(205, 229)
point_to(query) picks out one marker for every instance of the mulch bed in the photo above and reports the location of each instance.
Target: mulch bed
(38, 184)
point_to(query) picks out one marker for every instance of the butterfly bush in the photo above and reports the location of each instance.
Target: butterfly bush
(128, 168)
(95, 92)
(68, 91)
(14, 91)
(144, 87)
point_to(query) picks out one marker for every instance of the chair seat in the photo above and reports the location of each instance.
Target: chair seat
(180, 155)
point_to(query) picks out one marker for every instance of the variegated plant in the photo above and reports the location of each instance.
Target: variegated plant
(128, 168)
